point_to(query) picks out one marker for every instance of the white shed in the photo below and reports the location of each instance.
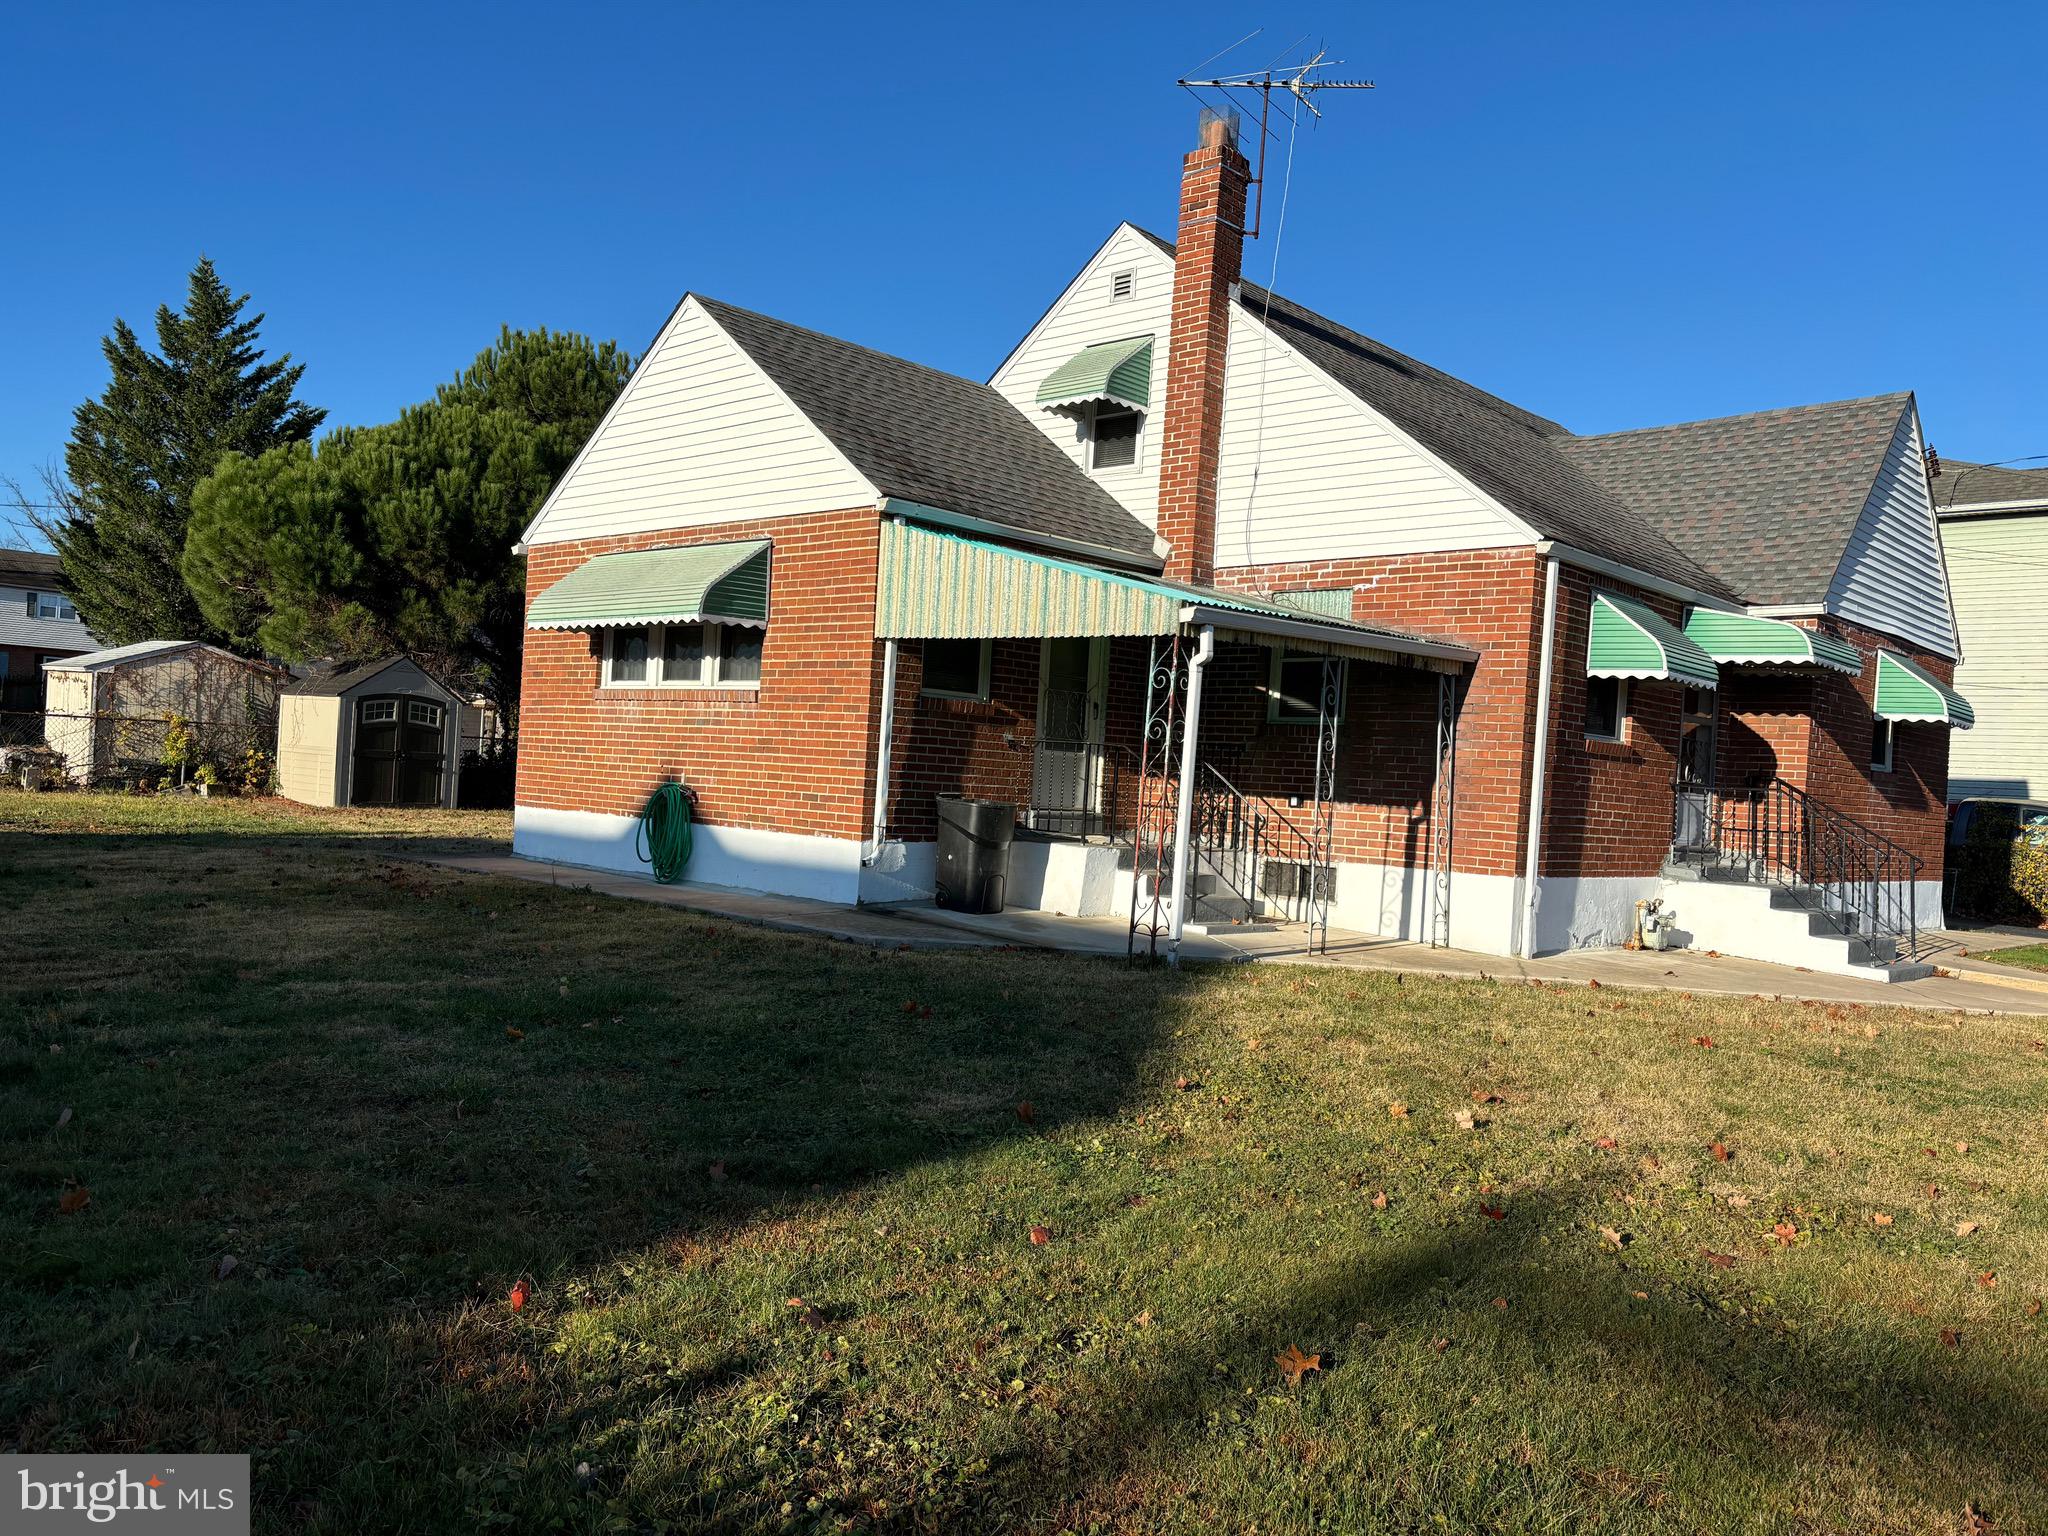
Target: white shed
(384, 733)
(109, 712)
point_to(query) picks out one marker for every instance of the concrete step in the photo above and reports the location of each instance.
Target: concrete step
(1787, 925)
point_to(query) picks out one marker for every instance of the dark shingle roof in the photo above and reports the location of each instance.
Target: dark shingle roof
(1511, 454)
(1766, 501)
(28, 567)
(336, 682)
(934, 438)
(1963, 484)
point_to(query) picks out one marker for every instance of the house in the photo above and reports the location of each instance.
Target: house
(1994, 530)
(112, 712)
(1250, 615)
(37, 624)
(383, 733)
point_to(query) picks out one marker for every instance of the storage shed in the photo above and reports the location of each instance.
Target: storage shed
(109, 712)
(380, 734)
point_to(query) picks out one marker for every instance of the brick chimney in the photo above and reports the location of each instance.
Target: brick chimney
(1213, 181)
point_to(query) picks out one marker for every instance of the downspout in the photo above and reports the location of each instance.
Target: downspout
(885, 741)
(1183, 812)
(1533, 854)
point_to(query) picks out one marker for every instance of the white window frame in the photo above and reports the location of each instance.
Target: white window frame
(1274, 690)
(981, 693)
(707, 679)
(385, 712)
(1620, 712)
(415, 708)
(1891, 744)
(1137, 443)
(66, 611)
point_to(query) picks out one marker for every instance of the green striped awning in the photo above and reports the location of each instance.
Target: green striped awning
(1627, 639)
(727, 583)
(1908, 691)
(939, 586)
(1117, 371)
(1739, 639)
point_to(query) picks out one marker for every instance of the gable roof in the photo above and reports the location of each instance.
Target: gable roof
(1511, 454)
(1963, 484)
(28, 567)
(934, 438)
(336, 681)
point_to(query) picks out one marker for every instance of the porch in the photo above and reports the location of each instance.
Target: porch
(1187, 760)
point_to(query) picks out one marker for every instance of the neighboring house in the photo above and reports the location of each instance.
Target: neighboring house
(111, 711)
(1426, 664)
(384, 733)
(1994, 529)
(37, 624)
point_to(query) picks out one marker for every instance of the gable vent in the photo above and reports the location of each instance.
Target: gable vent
(1120, 284)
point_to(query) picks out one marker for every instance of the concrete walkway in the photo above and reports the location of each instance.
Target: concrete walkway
(1981, 988)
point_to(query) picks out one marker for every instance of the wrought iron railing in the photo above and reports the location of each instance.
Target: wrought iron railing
(1260, 856)
(1079, 789)
(1778, 834)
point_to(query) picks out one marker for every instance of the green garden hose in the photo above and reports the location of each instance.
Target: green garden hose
(664, 836)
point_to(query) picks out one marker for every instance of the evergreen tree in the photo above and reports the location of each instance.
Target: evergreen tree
(138, 452)
(400, 537)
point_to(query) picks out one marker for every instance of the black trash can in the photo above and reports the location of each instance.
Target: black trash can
(974, 853)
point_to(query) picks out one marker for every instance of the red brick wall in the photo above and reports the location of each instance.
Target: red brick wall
(791, 756)
(1210, 253)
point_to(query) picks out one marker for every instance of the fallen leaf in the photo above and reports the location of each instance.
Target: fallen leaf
(1721, 1153)
(1880, 1219)
(74, 1200)
(1040, 1236)
(1965, 1228)
(64, 1118)
(1501, 1302)
(1379, 1201)
(1988, 1279)
(1464, 1120)
(1493, 1213)
(1483, 1096)
(1934, 1191)
(1704, 1042)
(1026, 1113)
(1612, 1236)
(228, 1264)
(2034, 1307)
(1594, 983)
(1143, 1319)
(520, 1291)
(514, 1032)
(1440, 1345)
(1253, 1044)
(717, 1171)
(1185, 1083)
(1738, 1201)
(1962, 1148)
(1976, 1522)
(1952, 1337)
(1398, 1111)
(1784, 1232)
(1606, 1143)
(1294, 1364)
(1718, 1260)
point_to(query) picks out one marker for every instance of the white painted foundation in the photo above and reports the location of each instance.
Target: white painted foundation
(1589, 912)
(746, 858)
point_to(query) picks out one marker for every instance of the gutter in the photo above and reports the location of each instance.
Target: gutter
(1551, 549)
(890, 506)
(1308, 629)
(1533, 851)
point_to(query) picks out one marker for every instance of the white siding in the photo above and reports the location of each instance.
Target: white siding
(1083, 316)
(699, 435)
(1891, 575)
(1996, 571)
(1311, 472)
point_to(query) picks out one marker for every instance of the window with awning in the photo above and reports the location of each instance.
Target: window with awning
(1626, 640)
(1908, 691)
(1743, 640)
(687, 584)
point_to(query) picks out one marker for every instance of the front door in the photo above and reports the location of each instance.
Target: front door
(400, 751)
(1692, 827)
(1066, 768)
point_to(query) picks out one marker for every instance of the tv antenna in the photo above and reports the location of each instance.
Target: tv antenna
(1297, 89)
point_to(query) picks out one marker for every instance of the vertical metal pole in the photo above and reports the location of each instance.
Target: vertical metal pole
(1191, 725)
(885, 742)
(1533, 854)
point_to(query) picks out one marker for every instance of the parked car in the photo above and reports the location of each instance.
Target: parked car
(1995, 857)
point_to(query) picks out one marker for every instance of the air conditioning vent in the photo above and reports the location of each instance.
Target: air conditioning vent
(1120, 284)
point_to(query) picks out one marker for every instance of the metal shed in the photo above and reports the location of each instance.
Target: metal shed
(384, 733)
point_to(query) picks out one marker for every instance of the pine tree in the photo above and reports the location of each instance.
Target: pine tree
(139, 450)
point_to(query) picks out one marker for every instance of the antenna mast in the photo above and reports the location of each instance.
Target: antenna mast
(1297, 89)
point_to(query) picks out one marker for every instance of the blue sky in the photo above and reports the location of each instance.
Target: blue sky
(1613, 215)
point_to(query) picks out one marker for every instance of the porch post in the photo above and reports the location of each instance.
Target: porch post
(885, 740)
(1183, 816)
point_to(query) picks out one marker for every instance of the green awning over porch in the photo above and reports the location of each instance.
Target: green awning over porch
(1626, 639)
(722, 583)
(939, 586)
(1908, 691)
(1117, 371)
(1741, 640)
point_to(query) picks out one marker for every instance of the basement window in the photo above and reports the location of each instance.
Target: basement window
(1113, 437)
(682, 656)
(956, 669)
(1606, 708)
(1880, 746)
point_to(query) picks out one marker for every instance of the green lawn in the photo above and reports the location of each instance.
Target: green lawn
(2033, 956)
(774, 1201)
